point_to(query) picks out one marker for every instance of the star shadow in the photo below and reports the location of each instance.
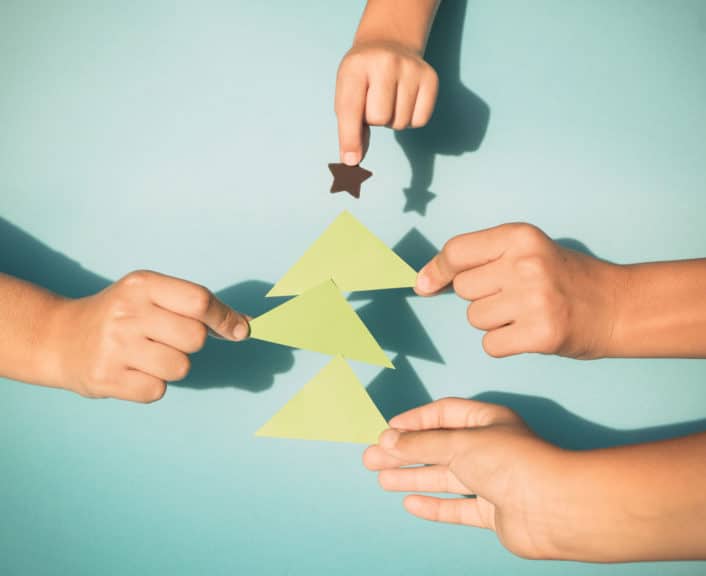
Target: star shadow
(251, 365)
(460, 118)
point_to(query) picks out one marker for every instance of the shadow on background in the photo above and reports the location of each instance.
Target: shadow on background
(250, 365)
(390, 318)
(460, 118)
(557, 425)
(575, 245)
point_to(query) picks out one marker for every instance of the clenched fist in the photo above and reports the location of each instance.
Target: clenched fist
(528, 293)
(130, 339)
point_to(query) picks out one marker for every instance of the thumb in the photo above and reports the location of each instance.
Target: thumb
(435, 275)
(425, 447)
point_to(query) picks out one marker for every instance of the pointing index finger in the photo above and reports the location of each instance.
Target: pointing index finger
(351, 94)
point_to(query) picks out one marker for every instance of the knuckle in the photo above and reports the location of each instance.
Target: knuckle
(454, 250)
(181, 367)
(459, 285)
(491, 346)
(378, 116)
(384, 479)
(200, 300)
(400, 124)
(432, 78)
(472, 315)
(153, 392)
(387, 62)
(120, 307)
(419, 120)
(136, 279)
(532, 267)
(527, 236)
(198, 336)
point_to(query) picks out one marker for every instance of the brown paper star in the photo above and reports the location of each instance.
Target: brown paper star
(348, 178)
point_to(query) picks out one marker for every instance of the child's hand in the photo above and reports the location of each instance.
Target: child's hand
(471, 447)
(529, 293)
(128, 340)
(381, 83)
(630, 503)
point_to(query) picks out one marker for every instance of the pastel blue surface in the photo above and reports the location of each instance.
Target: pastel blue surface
(192, 138)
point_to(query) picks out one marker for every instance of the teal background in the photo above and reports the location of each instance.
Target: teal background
(192, 138)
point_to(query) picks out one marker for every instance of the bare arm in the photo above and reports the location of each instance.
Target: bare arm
(26, 315)
(397, 21)
(662, 311)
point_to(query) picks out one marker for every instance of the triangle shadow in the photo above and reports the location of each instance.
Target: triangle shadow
(399, 390)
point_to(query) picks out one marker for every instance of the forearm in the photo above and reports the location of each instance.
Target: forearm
(661, 311)
(638, 503)
(26, 314)
(405, 22)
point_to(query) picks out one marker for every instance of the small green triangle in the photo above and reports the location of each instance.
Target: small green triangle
(333, 406)
(321, 320)
(350, 255)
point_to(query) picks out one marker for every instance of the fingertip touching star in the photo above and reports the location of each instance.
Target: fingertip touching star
(348, 178)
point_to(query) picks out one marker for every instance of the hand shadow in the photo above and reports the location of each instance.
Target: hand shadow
(557, 425)
(460, 118)
(250, 365)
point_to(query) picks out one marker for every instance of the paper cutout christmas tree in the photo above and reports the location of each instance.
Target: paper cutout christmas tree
(333, 406)
(322, 320)
(350, 255)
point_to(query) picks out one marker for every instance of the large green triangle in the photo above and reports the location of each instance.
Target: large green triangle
(321, 320)
(350, 255)
(333, 406)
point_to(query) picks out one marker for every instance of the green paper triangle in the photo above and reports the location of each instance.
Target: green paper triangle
(321, 320)
(350, 255)
(333, 406)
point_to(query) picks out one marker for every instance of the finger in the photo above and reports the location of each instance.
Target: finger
(506, 341)
(380, 103)
(426, 99)
(375, 458)
(351, 92)
(421, 479)
(453, 511)
(491, 312)
(453, 413)
(461, 253)
(480, 282)
(137, 386)
(184, 334)
(159, 360)
(198, 303)
(404, 104)
(425, 447)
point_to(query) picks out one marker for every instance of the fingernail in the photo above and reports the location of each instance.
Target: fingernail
(424, 281)
(241, 330)
(350, 158)
(389, 438)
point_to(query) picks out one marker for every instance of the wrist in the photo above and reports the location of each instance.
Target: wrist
(387, 43)
(617, 281)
